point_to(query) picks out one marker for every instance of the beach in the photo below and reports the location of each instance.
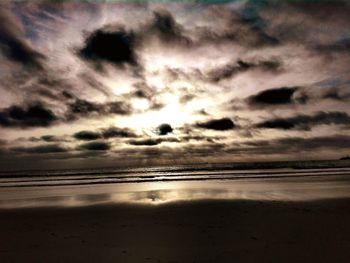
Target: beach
(174, 131)
(193, 231)
(277, 215)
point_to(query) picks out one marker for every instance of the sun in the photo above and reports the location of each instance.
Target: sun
(174, 114)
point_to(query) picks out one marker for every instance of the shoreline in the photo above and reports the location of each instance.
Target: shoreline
(297, 188)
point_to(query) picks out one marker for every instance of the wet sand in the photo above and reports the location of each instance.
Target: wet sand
(193, 231)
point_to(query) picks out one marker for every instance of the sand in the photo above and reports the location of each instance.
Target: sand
(196, 231)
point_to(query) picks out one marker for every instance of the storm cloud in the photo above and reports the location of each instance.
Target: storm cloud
(84, 108)
(87, 136)
(115, 46)
(278, 96)
(306, 122)
(32, 115)
(223, 124)
(94, 146)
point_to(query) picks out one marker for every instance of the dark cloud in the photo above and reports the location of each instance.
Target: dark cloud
(42, 149)
(32, 115)
(306, 122)
(115, 46)
(218, 124)
(87, 136)
(278, 96)
(94, 146)
(117, 107)
(186, 98)
(140, 94)
(49, 86)
(111, 132)
(50, 138)
(153, 141)
(167, 29)
(338, 94)
(277, 124)
(37, 115)
(164, 129)
(13, 41)
(67, 95)
(145, 142)
(241, 66)
(84, 108)
(114, 132)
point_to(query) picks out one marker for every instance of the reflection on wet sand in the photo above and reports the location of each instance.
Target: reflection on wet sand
(296, 189)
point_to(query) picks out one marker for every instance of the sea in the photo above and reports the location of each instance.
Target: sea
(286, 181)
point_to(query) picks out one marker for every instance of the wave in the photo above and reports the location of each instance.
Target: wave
(169, 176)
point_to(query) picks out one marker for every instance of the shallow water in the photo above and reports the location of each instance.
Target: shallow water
(167, 184)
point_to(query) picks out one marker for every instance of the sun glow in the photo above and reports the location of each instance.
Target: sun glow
(173, 114)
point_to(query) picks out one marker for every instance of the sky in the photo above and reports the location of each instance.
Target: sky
(111, 83)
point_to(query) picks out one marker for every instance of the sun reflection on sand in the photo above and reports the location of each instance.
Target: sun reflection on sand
(157, 193)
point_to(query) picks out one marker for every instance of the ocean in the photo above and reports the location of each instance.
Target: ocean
(302, 180)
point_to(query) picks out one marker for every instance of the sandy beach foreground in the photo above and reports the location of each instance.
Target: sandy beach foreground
(193, 231)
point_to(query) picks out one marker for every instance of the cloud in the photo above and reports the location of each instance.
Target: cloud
(84, 108)
(114, 132)
(145, 142)
(217, 124)
(50, 138)
(87, 136)
(337, 94)
(236, 27)
(166, 28)
(115, 46)
(291, 146)
(339, 46)
(230, 70)
(153, 141)
(270, 97)
(306, 122)
(94, 146)
(164, 129)
(331, 142)
(184, 57)
(42, 149)
(36, 114)
(13, 41)
(186, 98)
(106, 133)
(32, 115)
(330, 11)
